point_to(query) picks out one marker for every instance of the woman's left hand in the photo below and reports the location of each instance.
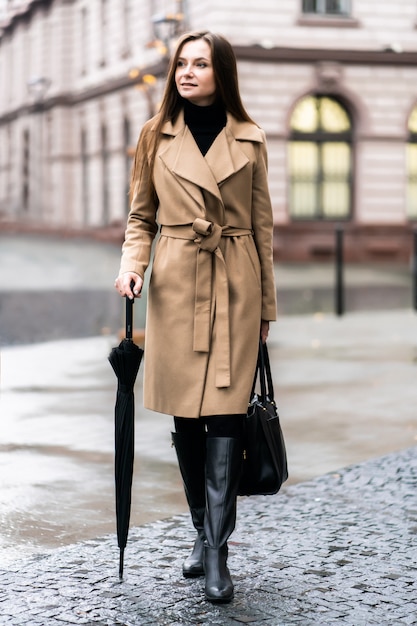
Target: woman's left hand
(264, 330)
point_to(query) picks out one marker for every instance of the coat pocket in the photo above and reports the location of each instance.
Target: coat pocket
(253, 258)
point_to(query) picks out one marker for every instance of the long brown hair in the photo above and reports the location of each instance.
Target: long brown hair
(227, 89)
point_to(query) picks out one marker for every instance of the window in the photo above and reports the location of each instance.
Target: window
(127, 26)
(84, 41)
(105, 175)
(10, 150)
(320, 160)
(104, 35)
(412, 166)
(25, 170)
(85, 178)
(327, 7)
(128, 159)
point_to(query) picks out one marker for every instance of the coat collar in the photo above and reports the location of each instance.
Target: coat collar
(224, 158)
(243, 131)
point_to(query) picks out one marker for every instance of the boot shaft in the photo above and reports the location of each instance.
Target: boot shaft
(191, 453)
(223, 468)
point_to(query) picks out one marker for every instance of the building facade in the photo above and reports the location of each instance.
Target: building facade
(332, 82)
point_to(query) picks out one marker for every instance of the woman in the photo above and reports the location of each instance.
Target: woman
(200, 176)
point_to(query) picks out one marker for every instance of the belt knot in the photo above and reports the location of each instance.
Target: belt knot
(210, 234)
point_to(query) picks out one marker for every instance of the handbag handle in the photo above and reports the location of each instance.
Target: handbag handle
(263, 368)
(268, 373)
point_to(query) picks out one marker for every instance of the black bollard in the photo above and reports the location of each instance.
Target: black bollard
(339, 288)
(414, 270)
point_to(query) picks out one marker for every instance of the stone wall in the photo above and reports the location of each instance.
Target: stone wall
(79, 130)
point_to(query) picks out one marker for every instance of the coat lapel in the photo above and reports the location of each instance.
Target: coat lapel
(184, 159)
(224, 158)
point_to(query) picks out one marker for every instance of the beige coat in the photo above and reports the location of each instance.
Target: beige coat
(212, 275)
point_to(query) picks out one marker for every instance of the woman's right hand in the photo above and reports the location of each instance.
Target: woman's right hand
(123, 285)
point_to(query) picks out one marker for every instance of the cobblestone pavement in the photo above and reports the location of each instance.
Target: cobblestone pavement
(340, 550)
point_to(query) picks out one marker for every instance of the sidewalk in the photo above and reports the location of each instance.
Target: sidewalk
(339, 550)
(54, 289)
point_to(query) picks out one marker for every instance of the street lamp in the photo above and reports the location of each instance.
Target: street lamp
(37, 87)
(167, 27)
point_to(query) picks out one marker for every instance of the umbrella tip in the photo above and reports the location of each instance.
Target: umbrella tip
(121, 560)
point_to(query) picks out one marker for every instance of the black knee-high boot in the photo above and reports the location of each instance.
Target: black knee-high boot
(223, 467)
(191, 451)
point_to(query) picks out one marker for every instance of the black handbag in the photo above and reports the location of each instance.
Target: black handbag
(264, 466)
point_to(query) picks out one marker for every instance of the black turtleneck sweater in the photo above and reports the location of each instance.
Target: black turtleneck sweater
(204, 122)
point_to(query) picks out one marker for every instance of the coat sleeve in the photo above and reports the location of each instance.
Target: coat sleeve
(141, 223)
(263, 226)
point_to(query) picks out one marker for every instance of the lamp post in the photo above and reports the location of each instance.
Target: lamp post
(37, 88)
(167, 27)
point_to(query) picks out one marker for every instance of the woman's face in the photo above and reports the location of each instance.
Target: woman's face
(194, 75)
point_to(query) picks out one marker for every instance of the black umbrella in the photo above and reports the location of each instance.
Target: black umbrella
(125, 360)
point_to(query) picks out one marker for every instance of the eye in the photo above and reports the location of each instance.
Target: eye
(180, 63)
(201, 64)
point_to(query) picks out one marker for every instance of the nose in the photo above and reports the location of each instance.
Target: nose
(187, 70)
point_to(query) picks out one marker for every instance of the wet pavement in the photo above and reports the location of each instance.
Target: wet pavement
(338, 549)
(345, 388)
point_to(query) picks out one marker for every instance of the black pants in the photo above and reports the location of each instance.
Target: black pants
(213, 425)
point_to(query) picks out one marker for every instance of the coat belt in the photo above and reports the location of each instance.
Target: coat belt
(207, 235)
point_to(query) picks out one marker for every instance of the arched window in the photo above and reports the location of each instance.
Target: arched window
(320, 160)
(412, 166)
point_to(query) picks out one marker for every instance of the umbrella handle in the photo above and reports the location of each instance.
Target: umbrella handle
(129, 315)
